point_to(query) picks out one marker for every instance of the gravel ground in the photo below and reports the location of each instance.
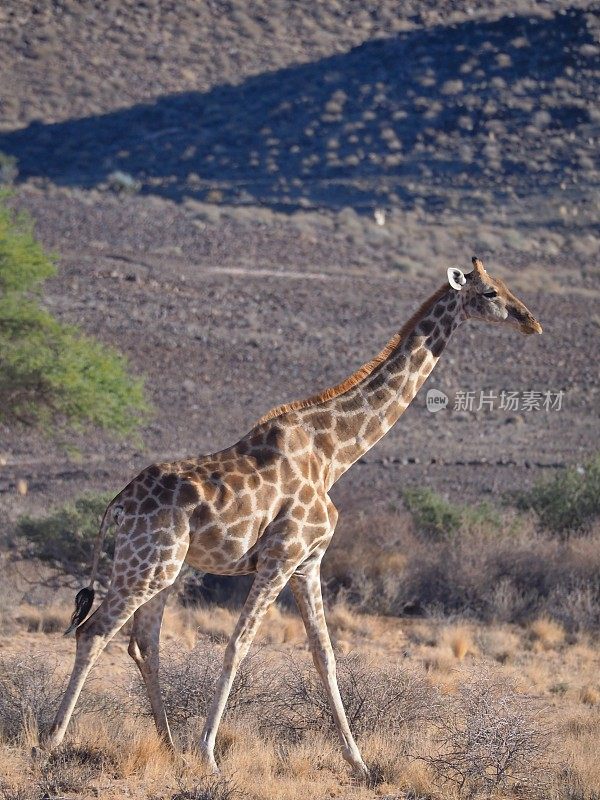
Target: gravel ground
(237, 273)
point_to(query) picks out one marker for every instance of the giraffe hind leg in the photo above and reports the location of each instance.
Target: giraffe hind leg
(144, 649)
(159, 571)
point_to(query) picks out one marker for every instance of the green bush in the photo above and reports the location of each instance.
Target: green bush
(433, 516)
(51, 374)
(568, 502)
(65, 538)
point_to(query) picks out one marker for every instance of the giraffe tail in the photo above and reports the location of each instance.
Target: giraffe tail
(84, 599)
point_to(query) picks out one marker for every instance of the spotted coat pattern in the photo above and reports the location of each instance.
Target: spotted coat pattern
(260, 506)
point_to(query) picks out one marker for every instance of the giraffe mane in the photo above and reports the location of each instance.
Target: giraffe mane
(362, 372)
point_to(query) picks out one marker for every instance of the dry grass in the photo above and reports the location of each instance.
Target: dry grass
(458, 639)
(546, 633)
(400, 680)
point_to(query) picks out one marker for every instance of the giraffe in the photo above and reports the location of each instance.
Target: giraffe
(262, 506)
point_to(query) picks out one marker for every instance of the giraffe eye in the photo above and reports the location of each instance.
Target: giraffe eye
(491, 293)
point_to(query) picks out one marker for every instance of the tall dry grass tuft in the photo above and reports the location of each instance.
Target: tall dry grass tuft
(145, 756)
(546, 633)
(458, 639)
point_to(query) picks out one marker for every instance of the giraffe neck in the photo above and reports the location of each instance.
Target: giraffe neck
(348, 422)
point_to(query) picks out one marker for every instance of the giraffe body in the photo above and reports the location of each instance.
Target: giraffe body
(262, 507)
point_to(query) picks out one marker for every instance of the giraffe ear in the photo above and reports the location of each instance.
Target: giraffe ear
(456, 278)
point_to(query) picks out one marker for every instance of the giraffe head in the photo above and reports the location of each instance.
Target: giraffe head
(489, 299)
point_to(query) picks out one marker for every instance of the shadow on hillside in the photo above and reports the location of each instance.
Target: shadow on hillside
(447, 108)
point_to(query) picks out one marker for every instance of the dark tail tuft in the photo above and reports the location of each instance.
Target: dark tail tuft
(84, 600)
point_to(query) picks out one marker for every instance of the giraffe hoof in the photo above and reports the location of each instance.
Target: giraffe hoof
(208, 760)
(361, 772)
(39, 753)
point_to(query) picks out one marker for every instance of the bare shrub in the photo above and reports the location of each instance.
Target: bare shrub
(189, 680)
(30, 691)
(490, 737)
(213, 789)
(71, 769)
(391, 699)
(8, 792)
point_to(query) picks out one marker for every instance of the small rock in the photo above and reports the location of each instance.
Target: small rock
(22, 487)
(189, 385)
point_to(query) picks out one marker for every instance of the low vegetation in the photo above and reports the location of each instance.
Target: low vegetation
(435, 722)
(491, 690)
(568, 503)
(441, 558)
(65, 538)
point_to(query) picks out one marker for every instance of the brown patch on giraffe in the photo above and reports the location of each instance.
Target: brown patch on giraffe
(325, 443)
(275, 435)
(239, 529)
(295, 551)
(316, 513)
(235, 482)
(139, 529)
(351, 404)
(438, 346)
(210, 491)
(320, 420)
(200, 516)
(148, 506)
(298, 512)
(243, 506)
(417, 359)
(306, 494)
(268, 494)
(346, 453)
(270, 474)
(264, 456)
(163, 496)
(254, 480)
(130, 507)
(379, 398)
(163, 538)
(314, 471)
(376, 381)
(373, 429)
(232, 548)
(212, 537)
(344, 430)
(426, 326)
(188, 494)
(125, 552)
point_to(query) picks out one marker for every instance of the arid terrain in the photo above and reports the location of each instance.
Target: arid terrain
(212, 178)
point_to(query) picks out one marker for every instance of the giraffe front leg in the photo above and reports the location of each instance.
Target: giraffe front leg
(144, 649)
(306, 586)
(264, 591)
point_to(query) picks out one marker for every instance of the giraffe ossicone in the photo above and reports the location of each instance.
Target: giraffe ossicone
(262, 506)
